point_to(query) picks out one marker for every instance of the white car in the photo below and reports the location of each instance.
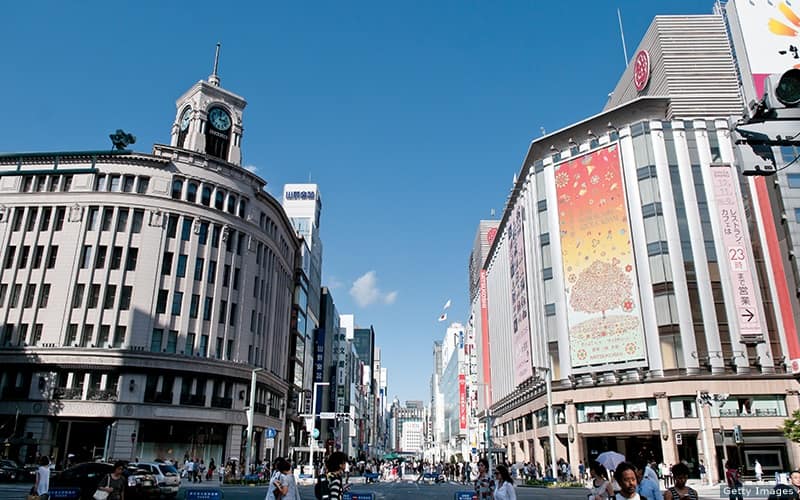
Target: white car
(169, 480)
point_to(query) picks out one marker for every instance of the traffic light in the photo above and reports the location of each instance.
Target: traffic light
(737, 434)
(782, 91)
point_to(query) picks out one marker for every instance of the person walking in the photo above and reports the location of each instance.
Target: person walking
(483, 483)
(336, 465)
(680, 473)
(647, 488)
(42, 484)
(734, 481)
(601, 488)
(114, 482)
(505, 484)
(759, 470)
(625, 475)
(282, 484)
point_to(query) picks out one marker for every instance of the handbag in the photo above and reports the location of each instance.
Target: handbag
(100, 494)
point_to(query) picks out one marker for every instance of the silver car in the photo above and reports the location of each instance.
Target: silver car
(167, 476)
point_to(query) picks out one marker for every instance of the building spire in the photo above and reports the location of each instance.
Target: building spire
(214, 78)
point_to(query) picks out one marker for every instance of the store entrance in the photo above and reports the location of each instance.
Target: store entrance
(687, 453)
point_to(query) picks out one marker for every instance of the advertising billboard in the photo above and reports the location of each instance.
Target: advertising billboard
(462, 402)
(521, 337)
(603, 304)
(487, 367)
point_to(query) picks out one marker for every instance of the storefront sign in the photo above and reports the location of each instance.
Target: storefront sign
(462, 402)
(602, 295)
(300, 195)
(641, 70)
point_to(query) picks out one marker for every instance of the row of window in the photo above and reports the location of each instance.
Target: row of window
(208, 195)
(36, 259)
(56, 214)
(180, 266)
(194, 307)
(234, 240)
(14, 293)
(113, 259)
(7, 336)
(104, 220)
(99, 339)
(46, 183)
(92, 293)
(122, 183)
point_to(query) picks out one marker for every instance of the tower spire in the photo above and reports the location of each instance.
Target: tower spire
(214, 78)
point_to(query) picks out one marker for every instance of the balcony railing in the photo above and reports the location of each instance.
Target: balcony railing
(158, 397)
(218, 402)
(274, 412)
(102, 395)
(261, 408)
(616, 417)
(68, 393)
(758, 412)
(193, 399)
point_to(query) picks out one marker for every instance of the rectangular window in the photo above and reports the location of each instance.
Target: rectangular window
(186, 229)
(61, 212)
(797, 214)
(44, 295)
(87, 335)
(207, 309)
(119, 336)
(166, 264)
(194, 306)
(102, 337)
(94, 296)
(234, 311)
(189, 349)
(13, 300)
(3, 291)
(100, 257)
(212, 271)
(161, 302)
(231, 241)
(223, 310)
(72, 335)
(156, 340)
(198, 269)
(229, 350)
(23, 257)
(30, 223)
(108, 216)
(219, 347)
(236, 273)
(111, 296)
(116, 257)
(130, 261)
(125, 298)
(36, 335)
(136, 224)
(255, 288)
(172, 226)
(214, 235)
(41, 183)
(794, 180)
(77, 297)
(181, 271)
(253, 320)
(9, 260)
(44, 223)
(38, 252)
(203, 234)
(177, 300)
(202, 350)
(16, 222)
(23, 333)
(127, 183)
(142, 185)
(52, 256)
(30, 293)
(226, 275)
(122, 220)
(240, 243)
(172, 341)
(100, 182)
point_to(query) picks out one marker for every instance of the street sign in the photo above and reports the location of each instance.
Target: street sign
(678, 438)
(203, 494)
(359, 496)
(64, 493)
(271, 433)
(315, 433)
(464, 495)
(270, 443)
(327, 415)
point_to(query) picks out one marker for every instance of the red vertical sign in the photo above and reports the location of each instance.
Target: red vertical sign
(462, 402)
(487, 366)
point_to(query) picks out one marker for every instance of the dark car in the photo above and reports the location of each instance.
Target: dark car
(10, 471)
(141, 485)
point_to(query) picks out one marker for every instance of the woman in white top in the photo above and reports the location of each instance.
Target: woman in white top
(601, 487)
(505, 485)
(42, 485)
(278, 486)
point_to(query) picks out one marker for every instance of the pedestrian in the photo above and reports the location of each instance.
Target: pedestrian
(114, 482)
(282, 484)
(680, 491)
(211, 468)
(734, 481)
(336, 465)
(759, 470)
(702, 470)
(601, 488)
(42, 484)
(483, 483)
(647, 488)
(582, 472)
(790, 491)
(505, 484)
(625, 475)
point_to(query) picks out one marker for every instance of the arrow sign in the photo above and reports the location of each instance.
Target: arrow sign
(748, 315)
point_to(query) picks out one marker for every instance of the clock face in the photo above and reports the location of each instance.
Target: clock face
(187, 116)
(641, 70)
(219, 119)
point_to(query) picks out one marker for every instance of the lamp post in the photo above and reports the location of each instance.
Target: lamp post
(250, 418)
(550, 420)
(312, 439)
(704, 398)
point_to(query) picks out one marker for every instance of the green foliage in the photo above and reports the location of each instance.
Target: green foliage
(791, 427)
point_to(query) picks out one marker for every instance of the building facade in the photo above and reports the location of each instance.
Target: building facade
(628, 270)
(139, 293)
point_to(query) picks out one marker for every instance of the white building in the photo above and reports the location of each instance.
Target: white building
(138, 292)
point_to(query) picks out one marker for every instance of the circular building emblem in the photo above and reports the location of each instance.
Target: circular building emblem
(641, 70)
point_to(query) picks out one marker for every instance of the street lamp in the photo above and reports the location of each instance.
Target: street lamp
(550, 420)
(312, 439)
(250, 418)
(705, 398)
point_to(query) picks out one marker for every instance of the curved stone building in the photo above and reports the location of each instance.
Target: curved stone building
(139, 293)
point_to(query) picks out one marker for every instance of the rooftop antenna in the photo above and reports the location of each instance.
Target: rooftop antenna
(214, 78)
(622, 35)
(542, 130)
(492, 213)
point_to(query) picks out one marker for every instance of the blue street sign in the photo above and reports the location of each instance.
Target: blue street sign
(65, 493)
(465, 495)
(203, 494)
(359, 496)
(271, 433)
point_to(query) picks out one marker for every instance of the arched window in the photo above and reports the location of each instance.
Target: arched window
(183, 127)
(191, 192)
(205, 198)
(177, 189)
(218, 133)
(219, 202)
(232, 204)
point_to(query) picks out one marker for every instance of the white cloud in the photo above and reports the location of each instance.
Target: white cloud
(333, 283)
(251, 168)
(365, 291)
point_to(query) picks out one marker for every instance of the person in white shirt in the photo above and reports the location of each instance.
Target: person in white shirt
(625, 474)
(505, 484)
(42, 485)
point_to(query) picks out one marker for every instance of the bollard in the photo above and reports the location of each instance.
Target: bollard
(64, 493)
(465, 495)
(203, 494)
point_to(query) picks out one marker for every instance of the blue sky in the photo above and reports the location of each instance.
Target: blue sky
(411, 116)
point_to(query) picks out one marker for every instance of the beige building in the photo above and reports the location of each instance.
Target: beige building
(139, 292)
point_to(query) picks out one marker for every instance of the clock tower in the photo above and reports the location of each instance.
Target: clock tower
(209, 120)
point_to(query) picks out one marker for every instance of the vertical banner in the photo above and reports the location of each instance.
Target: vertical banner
(462, 402)
(603, 309)
(735, 240)
(487, 366)
(521, 337)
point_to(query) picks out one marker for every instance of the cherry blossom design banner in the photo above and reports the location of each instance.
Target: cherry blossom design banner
(603, 305)
(521, 336)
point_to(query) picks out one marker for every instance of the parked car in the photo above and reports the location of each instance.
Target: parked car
(10, 471)
(141, 485)
(167, 476)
